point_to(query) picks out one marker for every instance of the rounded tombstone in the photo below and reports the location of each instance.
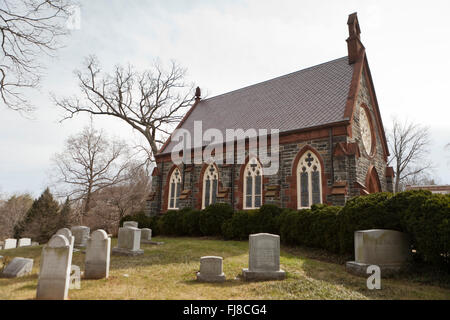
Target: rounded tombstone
(58, 241)
(65, 232)
(98, 235)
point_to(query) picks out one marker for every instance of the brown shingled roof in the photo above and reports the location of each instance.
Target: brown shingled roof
(307, 98)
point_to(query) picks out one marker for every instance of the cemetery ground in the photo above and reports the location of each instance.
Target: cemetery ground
(168, 272)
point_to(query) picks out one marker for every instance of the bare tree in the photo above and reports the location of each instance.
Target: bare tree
(90, 163)
(12, 212)
(29, 29)
(409, 144)
(113, 203)
(150, 101)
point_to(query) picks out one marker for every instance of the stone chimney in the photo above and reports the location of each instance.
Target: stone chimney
(354, 44)
(198, 94)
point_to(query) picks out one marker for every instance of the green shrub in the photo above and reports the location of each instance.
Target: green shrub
(212, 218)
(191, 223)
(170, 223)
(239, 226)
(363, 213)
(427, 221)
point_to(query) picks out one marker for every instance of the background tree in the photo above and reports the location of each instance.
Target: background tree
(29, 29)
(42, 220)
(113, 203)
(409, 146)
(89, 163)
(12, 211)
(150, 101)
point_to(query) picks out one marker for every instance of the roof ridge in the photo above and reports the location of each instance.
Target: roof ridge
(278, 77)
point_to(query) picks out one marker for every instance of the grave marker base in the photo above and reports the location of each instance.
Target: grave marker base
(263, 275)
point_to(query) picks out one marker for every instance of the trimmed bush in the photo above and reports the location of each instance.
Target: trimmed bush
(363, 213)
(427, 221)
(212, 218)
(191, 223)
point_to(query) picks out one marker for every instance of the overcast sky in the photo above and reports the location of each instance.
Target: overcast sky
(226, 45)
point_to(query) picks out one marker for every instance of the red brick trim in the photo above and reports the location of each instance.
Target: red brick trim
(354, 89)
(292, 180)
(372, 180)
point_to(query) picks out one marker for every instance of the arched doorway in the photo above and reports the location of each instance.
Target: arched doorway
(372, 181)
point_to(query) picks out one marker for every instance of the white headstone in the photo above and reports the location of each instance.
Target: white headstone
(18, 267)
(264, 258)
(54, 273)
(127, 224)
(128, 242)
(146, 235)
(81, 235)
(10, 244)
(68, 234)
(97, 255)
(211, 269)
(388, 249)
(24, 242)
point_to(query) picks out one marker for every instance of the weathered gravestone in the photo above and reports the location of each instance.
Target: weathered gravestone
(81, 235)
(97, 255)
(264, 258)
(132, 224)
(146, 237)
(34, 244)
(18, 267)
(68, 234)
(128, 242)
(54, 273)
(388, 249)
(211, 269)
(24, 242)
(10, 244)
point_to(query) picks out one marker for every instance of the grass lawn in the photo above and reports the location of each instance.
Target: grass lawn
(168, 272)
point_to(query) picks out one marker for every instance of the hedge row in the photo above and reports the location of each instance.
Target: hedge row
(421, 214)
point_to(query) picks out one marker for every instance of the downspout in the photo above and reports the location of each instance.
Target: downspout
(160, 188)
(331, 156)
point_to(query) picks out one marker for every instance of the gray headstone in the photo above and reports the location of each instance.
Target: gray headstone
(54, 273)
(211, 269)
(10, 244)
(81, 235)
(127, 224)
(146, 235)
(97, 255)
(264, 258)
(128, 242)
(18, 267)
(24, 242)
(388, 249)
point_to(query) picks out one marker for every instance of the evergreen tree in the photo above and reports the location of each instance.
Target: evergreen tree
(42, 220)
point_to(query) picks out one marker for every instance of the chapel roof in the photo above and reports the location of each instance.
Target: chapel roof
(303, 99)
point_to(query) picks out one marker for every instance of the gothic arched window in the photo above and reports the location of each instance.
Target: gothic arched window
(210, 183)
(309, 181)
(174, 189)
(253, 184)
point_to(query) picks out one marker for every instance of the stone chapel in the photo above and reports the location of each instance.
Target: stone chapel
(332, 144)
